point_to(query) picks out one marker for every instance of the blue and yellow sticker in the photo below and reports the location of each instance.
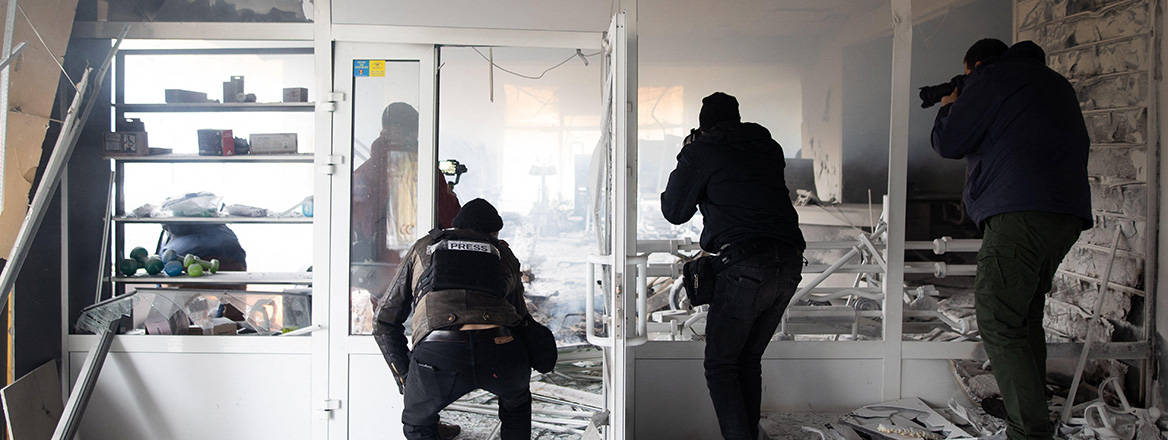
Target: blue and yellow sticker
(369, 68)
(360, 67)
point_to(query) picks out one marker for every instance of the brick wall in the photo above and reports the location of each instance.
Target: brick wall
(1107, 49)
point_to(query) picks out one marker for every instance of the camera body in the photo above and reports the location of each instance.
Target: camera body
(931, 95)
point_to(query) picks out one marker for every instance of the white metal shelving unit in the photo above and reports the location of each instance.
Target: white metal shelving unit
(119, 218)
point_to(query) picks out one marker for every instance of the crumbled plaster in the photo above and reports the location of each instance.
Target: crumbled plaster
(1127, 270)
(1113, 92)
(1118, 127)
(1124, 56)
(1067, 315)
(1103, 232)
(1103, 47)
(1041, 11)
(1118, 19)
(1110, 166)
(1119, 200)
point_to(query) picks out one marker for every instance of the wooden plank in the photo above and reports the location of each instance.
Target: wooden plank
(33, 404)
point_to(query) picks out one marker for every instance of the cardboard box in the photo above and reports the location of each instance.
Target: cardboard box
(273, 143)
(295, 94)
(126, 144)
(216, 142)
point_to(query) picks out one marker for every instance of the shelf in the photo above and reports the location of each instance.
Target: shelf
(215, 220)
(191, 158)
(209, 107)
(223, 278)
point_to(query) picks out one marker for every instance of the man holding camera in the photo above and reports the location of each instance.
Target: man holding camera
(470, 325)
(733, 172)
(1019, 127)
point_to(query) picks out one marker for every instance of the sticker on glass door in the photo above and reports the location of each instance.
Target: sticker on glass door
(369, 68)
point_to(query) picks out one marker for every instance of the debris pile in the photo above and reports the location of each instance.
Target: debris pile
(565, 403)
(1109, 417)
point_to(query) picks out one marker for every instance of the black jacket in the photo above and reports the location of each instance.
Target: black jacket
(1018, 125)
(733, 172)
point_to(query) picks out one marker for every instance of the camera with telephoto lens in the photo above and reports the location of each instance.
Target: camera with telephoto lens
(931, 95)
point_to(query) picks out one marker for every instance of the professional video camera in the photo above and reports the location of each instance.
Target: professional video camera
(931, 95)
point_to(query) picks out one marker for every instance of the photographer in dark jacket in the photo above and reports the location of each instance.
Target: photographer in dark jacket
(463, 286)
(1018, 125)
(733, 172)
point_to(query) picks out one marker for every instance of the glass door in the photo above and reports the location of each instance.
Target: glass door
(384, 131)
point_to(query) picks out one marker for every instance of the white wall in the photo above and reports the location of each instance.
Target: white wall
(551, 15)
(672, 400)
(846, 100)
(198, 396)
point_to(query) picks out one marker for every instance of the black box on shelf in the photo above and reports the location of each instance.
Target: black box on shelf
(233, 89)
(126, 144)
(295, 94)
(130, 124)
(216, 142)
(129, 139)
(177, 96)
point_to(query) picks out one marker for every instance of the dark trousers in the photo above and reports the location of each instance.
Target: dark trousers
(442, 372)
(1019, 254)
(748, 303)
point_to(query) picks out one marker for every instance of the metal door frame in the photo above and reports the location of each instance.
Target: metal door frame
(342, 344)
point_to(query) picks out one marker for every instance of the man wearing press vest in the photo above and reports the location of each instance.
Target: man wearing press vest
(463, 286)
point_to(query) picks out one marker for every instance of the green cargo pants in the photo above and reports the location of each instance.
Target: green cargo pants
(1019, 254)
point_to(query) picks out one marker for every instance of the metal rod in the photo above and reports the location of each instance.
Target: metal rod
(105, 235)
(78, 399)
(5, 77)
(12, 56)
(1092, 324)
(62, 150)
(803, 291)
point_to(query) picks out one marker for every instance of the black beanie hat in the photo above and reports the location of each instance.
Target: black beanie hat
(479, 215)
(718, 107)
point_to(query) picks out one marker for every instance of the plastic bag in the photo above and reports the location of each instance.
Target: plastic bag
(237, 210)
(200, 204)
(145, 211)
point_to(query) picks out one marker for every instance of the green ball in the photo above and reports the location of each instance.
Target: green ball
(154, 265)
(139, 254)
(128, 267)
(195, 270)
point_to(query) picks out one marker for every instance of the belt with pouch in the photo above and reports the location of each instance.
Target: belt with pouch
(735, 253)
(465, 335)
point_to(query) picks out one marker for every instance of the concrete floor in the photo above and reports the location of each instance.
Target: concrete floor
(789, 426)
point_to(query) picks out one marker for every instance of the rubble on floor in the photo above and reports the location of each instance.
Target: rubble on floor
(903, 419)
(564, 402)
(1107, 416)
